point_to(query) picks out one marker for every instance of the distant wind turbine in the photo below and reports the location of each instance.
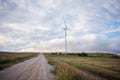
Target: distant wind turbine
(65, 28)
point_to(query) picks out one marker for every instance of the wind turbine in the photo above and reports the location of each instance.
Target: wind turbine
(65, 28)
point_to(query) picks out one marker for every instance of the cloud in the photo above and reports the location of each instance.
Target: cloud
(51, 45)
(88, 42)
(32, 25)
(4, 41)
(29, 50)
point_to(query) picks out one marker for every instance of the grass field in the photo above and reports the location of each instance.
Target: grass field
(10, 58)
(94, 66)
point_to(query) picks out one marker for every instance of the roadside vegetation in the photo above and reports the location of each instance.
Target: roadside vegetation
(10, 58)
(85, 66)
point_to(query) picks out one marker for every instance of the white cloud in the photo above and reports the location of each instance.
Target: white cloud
(4, 41)
(37, 25)
(29, 50)
(112, 30)
(21, 27)
(88, 42)
(51, 45)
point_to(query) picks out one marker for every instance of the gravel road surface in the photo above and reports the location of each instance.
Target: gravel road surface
(34, 69)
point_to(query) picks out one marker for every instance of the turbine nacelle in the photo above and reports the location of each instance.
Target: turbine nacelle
(65, 28)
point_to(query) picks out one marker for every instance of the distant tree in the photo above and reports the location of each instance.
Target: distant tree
(84, 54)
(79, 54)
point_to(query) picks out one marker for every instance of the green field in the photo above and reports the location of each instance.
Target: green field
(10, 58)
(93, 66)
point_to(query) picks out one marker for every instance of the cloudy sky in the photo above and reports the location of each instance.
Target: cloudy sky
(37, 25)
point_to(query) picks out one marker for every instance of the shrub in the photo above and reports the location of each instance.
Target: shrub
(84, 54)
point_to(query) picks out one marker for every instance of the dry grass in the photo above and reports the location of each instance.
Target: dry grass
(93, 67)
(8, 58)
(63, 71)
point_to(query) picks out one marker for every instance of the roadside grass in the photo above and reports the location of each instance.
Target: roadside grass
(10, 58)
(64, 71)
(98, 65)
(105, 73)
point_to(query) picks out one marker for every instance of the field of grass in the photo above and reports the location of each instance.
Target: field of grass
(10, 58)
(94, 66)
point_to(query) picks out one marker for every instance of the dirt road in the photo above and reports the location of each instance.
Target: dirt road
(33, 69)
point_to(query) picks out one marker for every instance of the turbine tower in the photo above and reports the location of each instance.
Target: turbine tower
(65, 28)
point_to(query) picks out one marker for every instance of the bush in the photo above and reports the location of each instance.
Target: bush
(57, 53)
(82, 54)
(5, 61)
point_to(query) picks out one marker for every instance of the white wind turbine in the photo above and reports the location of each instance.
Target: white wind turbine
(65, 28)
